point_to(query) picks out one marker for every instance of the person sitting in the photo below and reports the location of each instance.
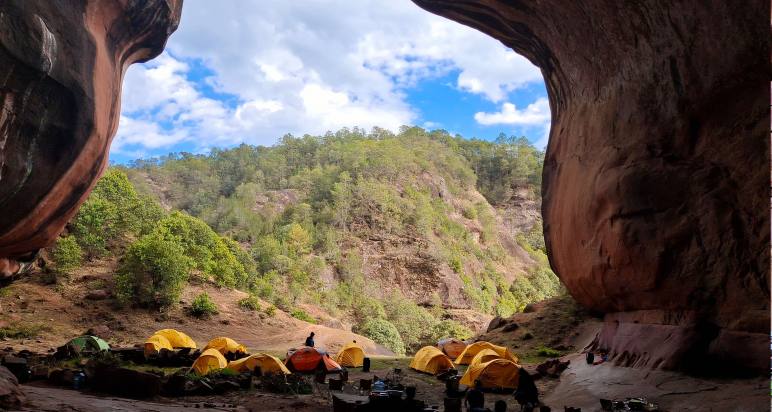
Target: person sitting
(310, 340)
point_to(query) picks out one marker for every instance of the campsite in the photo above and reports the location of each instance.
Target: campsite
(379, 205)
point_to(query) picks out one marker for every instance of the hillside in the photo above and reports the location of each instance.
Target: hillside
(404, 238)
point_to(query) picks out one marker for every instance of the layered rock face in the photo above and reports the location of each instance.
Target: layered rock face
(61, 67)
(656, 180)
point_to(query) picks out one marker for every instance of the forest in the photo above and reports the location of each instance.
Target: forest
(292, 223)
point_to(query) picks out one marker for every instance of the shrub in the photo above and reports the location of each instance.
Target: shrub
(450, 329)
(153, 272)
(203, 306)
(302, 315)
(270, 311)
(66, 254)
(208, 251)
(250, 302)
(23, 331)
(548, 352)
(384, 333)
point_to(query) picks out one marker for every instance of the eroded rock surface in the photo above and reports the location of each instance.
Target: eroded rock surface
(656, 179)
(61, 68)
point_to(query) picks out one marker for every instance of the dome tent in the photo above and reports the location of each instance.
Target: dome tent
(451, 347)
(308, 359)
(494, 374)
(225, 346)
(155, 343)
(465, 358)
(351, 355)
(88, 343)
(431, 360)
(267, 364)
(485, 355)
(177, 339)
(209, 361)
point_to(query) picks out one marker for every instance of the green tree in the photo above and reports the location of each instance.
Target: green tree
(383, 332)
(66, 254)
(153, 272)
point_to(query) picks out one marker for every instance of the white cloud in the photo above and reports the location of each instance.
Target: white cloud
(536, 113)
(302, 67)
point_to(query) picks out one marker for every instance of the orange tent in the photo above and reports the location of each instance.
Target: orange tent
(308, 359)
(451, 347)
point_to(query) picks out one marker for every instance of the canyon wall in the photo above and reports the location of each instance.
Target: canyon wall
(61, 68)
(656, 179)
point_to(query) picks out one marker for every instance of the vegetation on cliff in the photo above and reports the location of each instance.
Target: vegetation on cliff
(296, 223)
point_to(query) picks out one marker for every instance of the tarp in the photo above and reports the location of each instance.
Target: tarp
(451, 347)
(429, 359)
(351, 356)
(267, 364)
(88, 343)
(308, 359)
(209, 361)
(494, 374)
(155, 343)
(484, 355)
(177, 339)
(465, 358)
(225, 345)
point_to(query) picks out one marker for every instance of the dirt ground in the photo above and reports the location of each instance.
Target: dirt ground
(61, 311)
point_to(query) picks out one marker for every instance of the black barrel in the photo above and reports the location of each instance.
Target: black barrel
(366, 365)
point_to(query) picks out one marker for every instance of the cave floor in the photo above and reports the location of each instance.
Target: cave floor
(582, 386)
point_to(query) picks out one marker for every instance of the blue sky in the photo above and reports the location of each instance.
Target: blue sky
(246, 72)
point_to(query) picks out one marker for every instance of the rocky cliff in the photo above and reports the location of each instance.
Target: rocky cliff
(61, 68)
(656, 178)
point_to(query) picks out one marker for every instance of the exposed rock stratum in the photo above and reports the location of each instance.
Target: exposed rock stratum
(656, 179)
(61, 67)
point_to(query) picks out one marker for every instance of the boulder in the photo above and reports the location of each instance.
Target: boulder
(125, 382)
(496, 323)
(656, 175)
(99, 294)
(11, 395)
(62, 65)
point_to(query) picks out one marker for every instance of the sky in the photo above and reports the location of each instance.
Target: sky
(247, 72)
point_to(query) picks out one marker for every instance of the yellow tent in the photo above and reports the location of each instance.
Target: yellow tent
(351, 355)
(209, 361)
(177, 339)
(484, 355)
(225, 345)
(266, 363)
(429, 359)
(465, 358)
(155, 343)
(498, 373)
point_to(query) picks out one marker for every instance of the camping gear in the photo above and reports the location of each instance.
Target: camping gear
(452, 404)
(484, 355)
(366, 365)
(307, 359)
(78, 380)
(177, 339)
(88, 343)
(465, 358)
(155, 343)
(225, 346)
(494, 374)
(266, 363)
(431, 360)
(351, 356)
(209, 361)
(451, 347)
